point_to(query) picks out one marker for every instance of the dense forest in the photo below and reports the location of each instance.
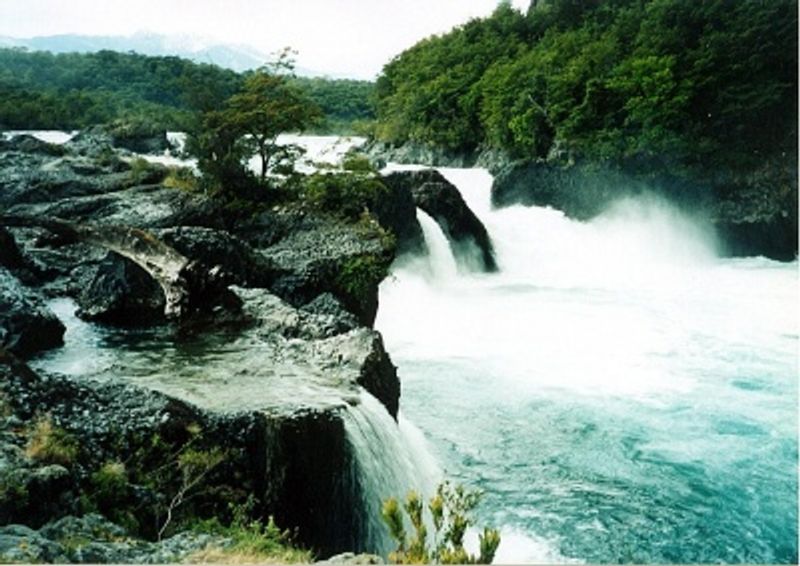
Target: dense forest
(680, 83)
(40, 90)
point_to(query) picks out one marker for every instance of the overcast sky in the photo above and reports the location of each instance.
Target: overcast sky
(350, 37)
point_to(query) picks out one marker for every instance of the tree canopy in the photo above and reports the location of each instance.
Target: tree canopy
(679, 83)
(40, 90)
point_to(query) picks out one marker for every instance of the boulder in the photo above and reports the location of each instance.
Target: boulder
(219, 247)
(441, 199)
(122, 293)
(325, 255)
(27, 325)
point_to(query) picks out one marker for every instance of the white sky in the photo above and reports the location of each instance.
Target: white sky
(349, 37)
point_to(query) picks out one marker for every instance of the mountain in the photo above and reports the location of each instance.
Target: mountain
(236, 57)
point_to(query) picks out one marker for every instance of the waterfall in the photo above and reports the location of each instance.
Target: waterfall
(441, 263)
(390, 459)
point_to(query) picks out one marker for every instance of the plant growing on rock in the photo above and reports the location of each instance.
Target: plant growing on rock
(50, 444)
(450, 511)
(251, 541)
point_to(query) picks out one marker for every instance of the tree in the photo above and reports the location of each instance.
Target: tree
(267, 106)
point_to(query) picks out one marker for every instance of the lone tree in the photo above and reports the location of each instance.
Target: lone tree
(250, 121)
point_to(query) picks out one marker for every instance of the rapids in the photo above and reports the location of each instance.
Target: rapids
(617, 390)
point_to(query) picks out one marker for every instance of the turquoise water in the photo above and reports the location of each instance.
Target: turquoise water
(618, 392)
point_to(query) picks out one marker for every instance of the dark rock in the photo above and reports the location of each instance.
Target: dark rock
(219, 247)
(325, 255)
(27, 326)
(93, 539)
(122, 293)
(398, 213)
(25, 143)
(331, 315)
(150, 206)
(579, 192)
(438, 197)
(288, 451)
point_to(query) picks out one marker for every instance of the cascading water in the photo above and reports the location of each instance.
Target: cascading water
(391, 459)
(618, 391)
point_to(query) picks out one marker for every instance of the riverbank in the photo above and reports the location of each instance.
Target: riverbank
(263, 385)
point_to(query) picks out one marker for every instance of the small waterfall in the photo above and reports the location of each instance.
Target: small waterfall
(390, 458)
(441, 261)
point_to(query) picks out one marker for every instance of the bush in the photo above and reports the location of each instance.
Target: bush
(182, 178)
(347, 195)
(49, 444)
(450, 511)
(251, 541)
(360, 274)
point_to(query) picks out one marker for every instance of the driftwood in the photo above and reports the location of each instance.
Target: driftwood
(188, 285)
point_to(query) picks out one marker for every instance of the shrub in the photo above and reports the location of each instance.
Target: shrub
(450, 511)
(182, 178)
(346, 195)
(360, 274)
(49, 444)
(251, 541)
(357, 163)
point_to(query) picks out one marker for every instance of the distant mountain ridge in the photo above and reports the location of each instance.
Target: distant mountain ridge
(236, 57)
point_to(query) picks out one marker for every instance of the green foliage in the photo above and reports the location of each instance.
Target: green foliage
(142, 171)
(344, 103)
(252, 541)
(357, 163)
(39, 90)
(182, 178)
(450, 511)
(361, 274)
(654, 82)
(50, 444)
(347, 195)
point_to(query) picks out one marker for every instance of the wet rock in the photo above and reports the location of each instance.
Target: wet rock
(122, 293)
(441, 199)
(397, 212)
(27, 326)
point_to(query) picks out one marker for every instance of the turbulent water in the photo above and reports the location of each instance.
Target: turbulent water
(617, 391)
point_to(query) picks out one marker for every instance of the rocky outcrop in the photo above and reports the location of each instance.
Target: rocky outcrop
(438, 197)
(269, 384)
(27, 326)
(277, 413)
(325, 255)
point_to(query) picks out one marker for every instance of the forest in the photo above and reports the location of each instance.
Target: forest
(40, 90)
(680, 84)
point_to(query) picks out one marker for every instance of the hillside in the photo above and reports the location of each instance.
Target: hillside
(41, 90)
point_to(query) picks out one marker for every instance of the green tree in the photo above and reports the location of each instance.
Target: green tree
(267, 106)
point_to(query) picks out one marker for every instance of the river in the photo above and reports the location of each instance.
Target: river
(617, 391)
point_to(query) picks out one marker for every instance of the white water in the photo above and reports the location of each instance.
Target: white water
(391, 460)
(618, 391)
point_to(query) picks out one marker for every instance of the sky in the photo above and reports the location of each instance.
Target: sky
(338, 37)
